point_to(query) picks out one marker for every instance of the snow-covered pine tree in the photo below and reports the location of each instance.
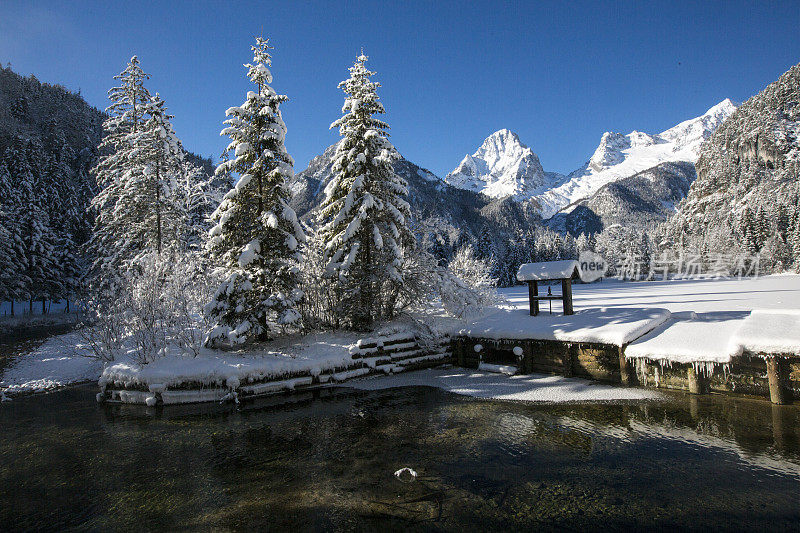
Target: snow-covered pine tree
(108, 247)
(14, 274)
(11, 257)
(149, 200)
(37, 238)
(255, 240)
(365, 214)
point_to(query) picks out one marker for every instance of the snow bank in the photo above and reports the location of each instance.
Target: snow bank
(604, 325)
(770, 331)
(56, 363)
(704, 337)
(312, 354)
(487, 385)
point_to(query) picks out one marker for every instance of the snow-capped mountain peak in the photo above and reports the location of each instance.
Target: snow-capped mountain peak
(694, 131)
(502, 166)
(621, 156)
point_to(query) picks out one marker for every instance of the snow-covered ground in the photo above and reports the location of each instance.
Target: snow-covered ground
(604, 325)
(22, 320)
(498, 386)
(692, 320)
(314, 353)
(710, 319)
(701, 295)
(22, 308)
(55, 363)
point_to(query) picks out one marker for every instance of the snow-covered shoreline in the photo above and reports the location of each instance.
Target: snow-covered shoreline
(58, 362)
(758, 315)
(536, 388)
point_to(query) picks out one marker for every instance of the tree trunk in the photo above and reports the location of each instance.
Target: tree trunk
(12, 306)
(367, 297)
(260, 199)
(30, 306)
(158, 208)
(44, 311)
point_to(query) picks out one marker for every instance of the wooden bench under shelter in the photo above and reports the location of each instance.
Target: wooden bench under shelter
(563, 271)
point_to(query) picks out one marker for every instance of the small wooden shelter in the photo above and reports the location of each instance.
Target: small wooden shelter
(563, 271)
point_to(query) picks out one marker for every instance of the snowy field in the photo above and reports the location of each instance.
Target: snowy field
(710, 319)
(56, 316)
(22, 308)
(496, 386)
(701, 296)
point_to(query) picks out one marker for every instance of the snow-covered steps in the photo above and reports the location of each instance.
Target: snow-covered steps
(401, 352)
(222, 377)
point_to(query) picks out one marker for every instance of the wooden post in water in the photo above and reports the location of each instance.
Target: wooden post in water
(626, 374)
(568, 360)
(455, 345)
(566, 295)
(778, 427)
(698, 382)
(533, 292)
(527, 356)
(778, 375)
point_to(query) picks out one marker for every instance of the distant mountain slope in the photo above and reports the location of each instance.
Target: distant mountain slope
(503, 166)
(50, 114)
(457, 213)
(639, 201)
(620, 156)
(745, 197)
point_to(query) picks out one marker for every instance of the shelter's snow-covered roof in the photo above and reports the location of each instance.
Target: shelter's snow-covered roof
(547, 270)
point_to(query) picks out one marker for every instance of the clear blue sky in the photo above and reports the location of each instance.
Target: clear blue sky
(559, 74)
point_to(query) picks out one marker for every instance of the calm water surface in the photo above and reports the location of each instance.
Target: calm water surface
(327, 462)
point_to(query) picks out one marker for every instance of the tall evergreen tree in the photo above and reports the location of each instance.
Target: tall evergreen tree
(255, 239)
(365, 214)
(126, 117)
(13, 278)
(38, 239)
(149, 199)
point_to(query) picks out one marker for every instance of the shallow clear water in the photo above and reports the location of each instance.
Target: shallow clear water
(327, 462)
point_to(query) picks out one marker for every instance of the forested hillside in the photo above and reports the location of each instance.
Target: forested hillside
(745, 199)
(49, 140)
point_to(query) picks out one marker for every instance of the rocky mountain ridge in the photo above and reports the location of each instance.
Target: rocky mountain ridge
(503, 166)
